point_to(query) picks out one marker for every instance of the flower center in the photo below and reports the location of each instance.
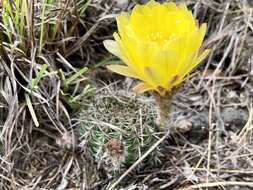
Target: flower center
(156, 36)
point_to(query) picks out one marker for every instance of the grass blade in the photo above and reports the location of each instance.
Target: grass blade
(7, 6)
(5, 18)
(75, 76)
(39, 75)
(22, 19)
(31, 110)
(17, 12)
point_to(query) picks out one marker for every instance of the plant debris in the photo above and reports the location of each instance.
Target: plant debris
(45, 88)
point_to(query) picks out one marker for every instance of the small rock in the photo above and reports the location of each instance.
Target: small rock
(67, 141)
(183, 126)
(122, 3)
(199, 129)
(194, 127)
(234, 118)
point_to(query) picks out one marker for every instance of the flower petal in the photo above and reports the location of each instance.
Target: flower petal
(159, 43)
(201, 35)
(194, 63)
(122, 70)
(122, 21)
(142, 87)
(112, 47)
(152, 4)
(170, 6)
(202, 56)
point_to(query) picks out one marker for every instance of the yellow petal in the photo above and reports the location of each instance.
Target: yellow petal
(112, 47)
(201, 35)
(170, 6)
(136, 19)
(122, 21)
(166, 68)
(142, 87)
(150, 76)
(122, 70)
(183, 7)
(152, 4)
(195, 62)
(128, 47)
(159, 43)
(123, 18)
(203, 55)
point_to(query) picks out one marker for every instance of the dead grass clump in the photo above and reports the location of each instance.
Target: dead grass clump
(39, 90)
(212, 101)
(43, 84)
(229, 33)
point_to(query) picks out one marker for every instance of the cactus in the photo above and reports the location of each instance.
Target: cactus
(124, 121)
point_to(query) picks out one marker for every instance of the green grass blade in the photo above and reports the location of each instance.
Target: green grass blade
(108, 62)
(54, 28)
(75, 76)
(55, 24)
(7, 7)
(17, 12)
(83, 6)
(31, 110)
(39, 75)
(5, 17)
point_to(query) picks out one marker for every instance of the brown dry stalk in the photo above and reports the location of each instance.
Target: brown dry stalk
(217, 184)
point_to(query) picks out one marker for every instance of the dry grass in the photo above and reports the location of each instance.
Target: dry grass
(214, 151)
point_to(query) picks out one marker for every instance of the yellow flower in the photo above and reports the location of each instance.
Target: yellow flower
(159, 43)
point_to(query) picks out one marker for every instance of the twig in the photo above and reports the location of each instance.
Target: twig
(216, 184)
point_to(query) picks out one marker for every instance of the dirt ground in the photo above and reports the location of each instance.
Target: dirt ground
(56, 133)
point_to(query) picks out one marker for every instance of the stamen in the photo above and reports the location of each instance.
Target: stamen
(158, 37)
